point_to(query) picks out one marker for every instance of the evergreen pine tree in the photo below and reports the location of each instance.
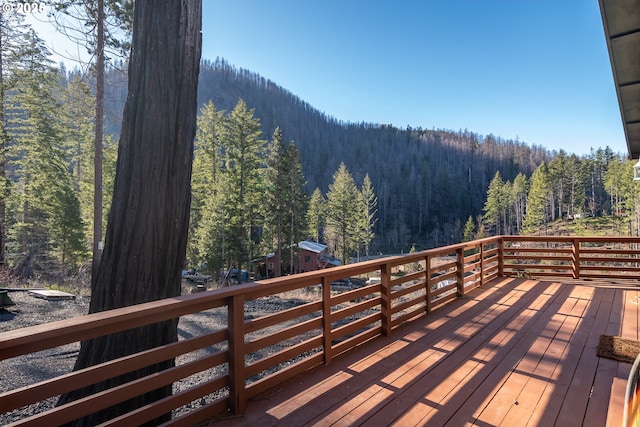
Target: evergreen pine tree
(316, 215)
(12, 41)
(621, 188)
(207, 200)
(341, 214)
(367, 215)
(47, 208)
(469, 230)
(494, 208)
(537, 200)
(276, 198)
(296, 206)
(244, 151)
(76, 124)
(520, 188)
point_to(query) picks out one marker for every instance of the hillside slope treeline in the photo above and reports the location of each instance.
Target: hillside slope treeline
(426, 187)
(432, 186)
(427, 181)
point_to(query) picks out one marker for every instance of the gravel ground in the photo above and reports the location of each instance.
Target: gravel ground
(28, 311)
(25, 370)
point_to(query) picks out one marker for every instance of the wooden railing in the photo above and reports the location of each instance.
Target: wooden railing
(248, 356)
(570, 256)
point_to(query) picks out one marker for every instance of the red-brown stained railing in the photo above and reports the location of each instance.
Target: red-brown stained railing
(254, 355)
(571, 256)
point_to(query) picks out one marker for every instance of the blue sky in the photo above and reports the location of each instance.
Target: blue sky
(534, 70)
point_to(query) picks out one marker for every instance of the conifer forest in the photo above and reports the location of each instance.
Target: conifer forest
(270, 170)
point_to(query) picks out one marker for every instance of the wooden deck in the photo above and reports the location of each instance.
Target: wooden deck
(515, 352)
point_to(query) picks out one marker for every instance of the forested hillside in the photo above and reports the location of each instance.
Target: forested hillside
(428, 182)
(433, 187)
(271, 170)
(427, 187)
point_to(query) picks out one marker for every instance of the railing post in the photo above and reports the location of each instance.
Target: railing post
(385, 294)
(481, 264)
(460, 271)
(500, 257)
(237, 391)
(427, 281)
(575, 258)
(326, 320)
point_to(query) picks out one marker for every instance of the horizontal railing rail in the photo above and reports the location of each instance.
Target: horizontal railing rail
(570, 256)
(249, 353)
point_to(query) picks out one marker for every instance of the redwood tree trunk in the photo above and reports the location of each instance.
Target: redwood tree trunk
(3, 140)
(146, 235)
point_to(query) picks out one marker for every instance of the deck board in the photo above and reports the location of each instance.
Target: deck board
(550, 405)
(450, 368)
(630, 317)
(551, 347)
(575, 402)
(488, 399)
(514, 352)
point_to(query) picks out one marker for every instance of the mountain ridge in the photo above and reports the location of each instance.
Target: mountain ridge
(428, 182)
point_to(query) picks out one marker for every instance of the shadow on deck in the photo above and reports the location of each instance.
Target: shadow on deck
(514, 352)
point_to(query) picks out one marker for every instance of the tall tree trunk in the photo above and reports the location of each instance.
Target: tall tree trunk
(147, 227)
(97, 159)
(24, 231)
(3, 140)
(292, 245)
(278, 264)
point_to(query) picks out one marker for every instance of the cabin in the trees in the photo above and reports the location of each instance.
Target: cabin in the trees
(311, 256)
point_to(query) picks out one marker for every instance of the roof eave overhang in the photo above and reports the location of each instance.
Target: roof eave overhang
(621, 20)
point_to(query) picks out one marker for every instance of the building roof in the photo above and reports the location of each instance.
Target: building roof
(312, 246)
(333, 261)
(621, 19)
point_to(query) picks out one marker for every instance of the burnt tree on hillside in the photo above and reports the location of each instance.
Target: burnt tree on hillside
(147, 226)
(412, 170)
